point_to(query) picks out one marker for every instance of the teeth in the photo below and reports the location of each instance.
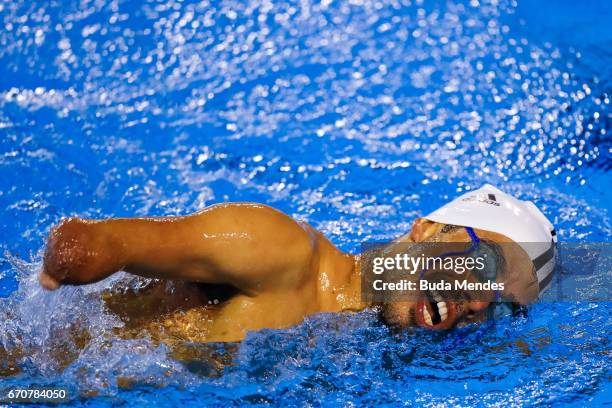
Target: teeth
(442, 310)
(437, 297)
(427, 317)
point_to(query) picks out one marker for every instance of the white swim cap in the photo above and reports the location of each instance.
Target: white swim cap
(490, 209)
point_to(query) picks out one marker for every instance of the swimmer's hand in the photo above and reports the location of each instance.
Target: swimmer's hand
(76, 255)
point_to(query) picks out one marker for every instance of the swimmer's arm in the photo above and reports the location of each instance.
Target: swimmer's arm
(250, 246)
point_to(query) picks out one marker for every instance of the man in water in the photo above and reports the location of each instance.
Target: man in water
(271, 271)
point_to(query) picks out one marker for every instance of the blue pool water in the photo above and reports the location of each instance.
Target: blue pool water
(356, 116)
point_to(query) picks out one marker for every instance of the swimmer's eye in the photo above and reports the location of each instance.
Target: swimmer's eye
(491, 256)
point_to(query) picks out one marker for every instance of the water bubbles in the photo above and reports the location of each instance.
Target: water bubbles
(356, 116)
(64, 44)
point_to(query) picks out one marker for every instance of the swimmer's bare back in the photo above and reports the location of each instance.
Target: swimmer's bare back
(282, 270)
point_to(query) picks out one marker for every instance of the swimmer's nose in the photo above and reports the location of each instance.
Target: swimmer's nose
(48, 282)
(476, 306)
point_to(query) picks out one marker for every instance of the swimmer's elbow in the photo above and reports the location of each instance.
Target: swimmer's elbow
(75, 255)
(47, 281)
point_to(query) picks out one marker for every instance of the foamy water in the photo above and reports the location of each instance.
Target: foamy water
(355, 116)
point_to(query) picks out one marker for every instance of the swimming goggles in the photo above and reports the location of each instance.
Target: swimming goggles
(489, 272)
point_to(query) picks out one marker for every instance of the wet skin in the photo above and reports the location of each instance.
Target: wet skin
(241, 267)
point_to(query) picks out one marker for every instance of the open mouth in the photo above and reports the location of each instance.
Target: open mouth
(434, 312)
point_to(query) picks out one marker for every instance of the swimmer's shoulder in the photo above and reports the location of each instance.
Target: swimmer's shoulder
(263, 233)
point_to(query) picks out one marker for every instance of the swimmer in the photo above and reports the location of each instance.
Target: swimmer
(266, 270)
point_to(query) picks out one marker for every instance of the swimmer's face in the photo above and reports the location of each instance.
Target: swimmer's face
(443, 309)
